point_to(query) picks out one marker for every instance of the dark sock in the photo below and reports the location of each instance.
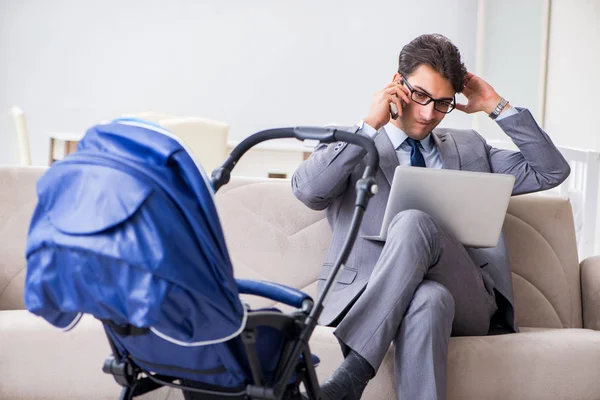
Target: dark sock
(350, 380)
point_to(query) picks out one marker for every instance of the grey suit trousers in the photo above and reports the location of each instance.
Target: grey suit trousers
(424, 288)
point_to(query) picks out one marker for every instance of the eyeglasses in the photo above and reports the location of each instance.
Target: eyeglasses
(443, 106)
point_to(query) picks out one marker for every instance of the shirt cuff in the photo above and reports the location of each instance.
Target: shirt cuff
(510, 111)
(368, 129)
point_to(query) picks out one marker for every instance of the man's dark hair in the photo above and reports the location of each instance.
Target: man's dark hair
(436, 51)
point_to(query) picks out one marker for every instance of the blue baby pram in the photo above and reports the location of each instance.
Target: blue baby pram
(126, 230)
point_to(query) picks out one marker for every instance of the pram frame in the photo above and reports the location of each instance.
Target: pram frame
(296, 327)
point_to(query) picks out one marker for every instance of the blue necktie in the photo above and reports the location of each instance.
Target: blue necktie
(416, 158)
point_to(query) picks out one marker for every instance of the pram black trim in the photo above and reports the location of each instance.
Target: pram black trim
(213, 371)
(203, 388)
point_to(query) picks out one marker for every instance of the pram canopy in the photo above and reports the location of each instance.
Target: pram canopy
(130, 219)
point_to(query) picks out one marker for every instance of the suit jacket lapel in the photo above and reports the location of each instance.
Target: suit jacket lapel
(388, 160)
(447, 149)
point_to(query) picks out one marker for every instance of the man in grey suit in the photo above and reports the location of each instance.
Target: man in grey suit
(422, 285)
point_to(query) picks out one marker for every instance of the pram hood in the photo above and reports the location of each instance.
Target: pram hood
(126, 229)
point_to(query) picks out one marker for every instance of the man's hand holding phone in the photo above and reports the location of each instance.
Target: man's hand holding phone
(387, 103)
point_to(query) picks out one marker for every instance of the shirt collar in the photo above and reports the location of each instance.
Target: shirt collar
(397, 137)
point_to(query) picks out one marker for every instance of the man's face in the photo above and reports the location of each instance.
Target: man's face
(417, 120)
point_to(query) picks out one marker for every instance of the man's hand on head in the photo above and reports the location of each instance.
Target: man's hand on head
(480, 95)
(379, 115)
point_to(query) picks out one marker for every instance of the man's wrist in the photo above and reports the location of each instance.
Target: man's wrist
(490, 105)
(506, 107)
(367, 128)
(372, 123)
(499, 108)
(508, 112)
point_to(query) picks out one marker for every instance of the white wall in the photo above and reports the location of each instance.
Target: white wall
(572, 104)
(511, 56)
(253, 64)
(265, 63)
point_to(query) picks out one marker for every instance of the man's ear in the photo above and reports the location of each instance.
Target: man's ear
(398, 78)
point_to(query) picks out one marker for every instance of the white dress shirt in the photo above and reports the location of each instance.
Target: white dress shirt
(427, 145)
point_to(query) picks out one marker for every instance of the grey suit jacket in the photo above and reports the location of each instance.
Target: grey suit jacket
(327, 179)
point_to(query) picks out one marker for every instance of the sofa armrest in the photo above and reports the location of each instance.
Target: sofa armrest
(590, 292)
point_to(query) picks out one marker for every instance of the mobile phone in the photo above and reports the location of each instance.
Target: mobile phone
(393, 107)
(393, 111)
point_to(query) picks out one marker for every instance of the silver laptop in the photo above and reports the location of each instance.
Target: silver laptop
(470, 205)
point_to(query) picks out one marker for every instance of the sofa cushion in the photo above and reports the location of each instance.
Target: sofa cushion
(542, 364)
(42, 362)
(535, 364)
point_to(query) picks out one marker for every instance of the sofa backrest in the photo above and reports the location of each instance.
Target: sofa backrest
(540, 235)
(17, 202)
(272, 236)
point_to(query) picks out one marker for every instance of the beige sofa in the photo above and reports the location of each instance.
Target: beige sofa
(272, 236)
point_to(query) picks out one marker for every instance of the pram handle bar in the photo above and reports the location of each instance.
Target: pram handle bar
(221, 175)
(275, 291)
(365, 188)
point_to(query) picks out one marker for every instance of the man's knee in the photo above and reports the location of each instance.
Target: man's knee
(435, 298)
(409, 220)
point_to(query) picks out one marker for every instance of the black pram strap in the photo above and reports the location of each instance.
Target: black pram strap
(126, 329)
